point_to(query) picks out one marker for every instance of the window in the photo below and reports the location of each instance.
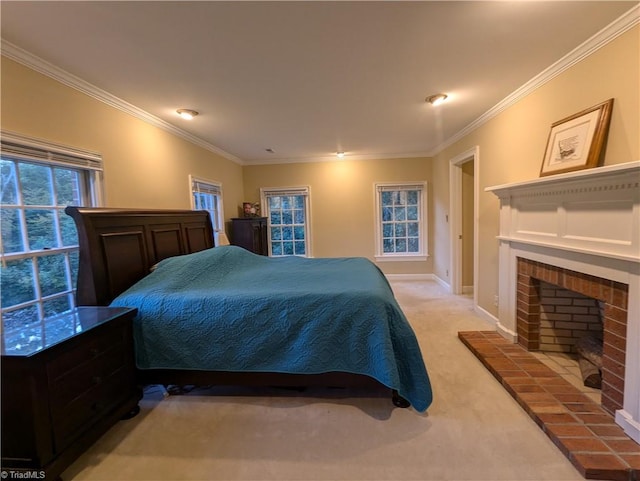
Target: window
(400, 230)
(38, 241)
(207, 195)
(287, 211)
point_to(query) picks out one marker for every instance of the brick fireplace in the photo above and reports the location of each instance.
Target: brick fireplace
(580, 232)
(613, 296)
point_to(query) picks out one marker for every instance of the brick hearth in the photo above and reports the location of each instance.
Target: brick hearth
(583, 431)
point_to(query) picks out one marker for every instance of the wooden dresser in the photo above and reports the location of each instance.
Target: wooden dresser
(250, 233)
(64, 387)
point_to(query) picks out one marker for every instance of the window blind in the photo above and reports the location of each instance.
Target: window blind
(285, 192)
(205, 187)
(399, 187)
(17, 147)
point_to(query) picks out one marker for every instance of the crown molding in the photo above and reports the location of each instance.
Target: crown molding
(616, 28)
(332, 158)
(27, 59)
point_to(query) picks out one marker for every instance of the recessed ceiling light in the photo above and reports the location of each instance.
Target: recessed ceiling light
(187, 114)
(340, 155)
(436, 99)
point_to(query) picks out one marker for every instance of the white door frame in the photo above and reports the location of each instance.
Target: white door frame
(455, 219)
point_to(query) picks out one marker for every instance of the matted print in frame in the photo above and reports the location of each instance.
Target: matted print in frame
(577, 142)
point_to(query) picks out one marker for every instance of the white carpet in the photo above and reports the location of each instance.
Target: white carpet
(473, 431)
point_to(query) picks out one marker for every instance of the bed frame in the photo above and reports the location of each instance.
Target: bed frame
(118, 247)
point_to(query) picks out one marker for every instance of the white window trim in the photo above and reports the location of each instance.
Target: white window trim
(218, 185)
(300, 190)
(422, 255)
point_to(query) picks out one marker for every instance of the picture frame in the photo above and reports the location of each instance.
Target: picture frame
(577, 142)
(250, 209)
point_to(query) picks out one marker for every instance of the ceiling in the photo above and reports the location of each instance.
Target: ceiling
(307, 79)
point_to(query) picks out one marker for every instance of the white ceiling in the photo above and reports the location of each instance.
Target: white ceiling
(307, 79)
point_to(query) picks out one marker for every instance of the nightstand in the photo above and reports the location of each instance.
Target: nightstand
(65, 383)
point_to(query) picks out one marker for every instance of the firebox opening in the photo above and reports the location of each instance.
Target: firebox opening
(571, 323)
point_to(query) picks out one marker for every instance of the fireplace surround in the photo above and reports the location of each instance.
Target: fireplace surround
(579, 231)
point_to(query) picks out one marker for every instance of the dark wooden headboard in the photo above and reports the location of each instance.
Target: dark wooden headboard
(118, 247)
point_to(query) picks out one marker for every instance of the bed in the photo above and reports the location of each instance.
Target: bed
(225, 316)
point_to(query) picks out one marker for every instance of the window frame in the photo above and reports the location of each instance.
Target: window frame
(88, 167)
(266, 192)
(212, 187)
(422, 254)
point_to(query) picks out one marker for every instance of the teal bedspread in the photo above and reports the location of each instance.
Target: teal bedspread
(230, 310)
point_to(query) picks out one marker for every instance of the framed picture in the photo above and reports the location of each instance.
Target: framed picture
(251, 209)
(577, 142)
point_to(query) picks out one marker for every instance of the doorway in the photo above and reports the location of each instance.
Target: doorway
(463, 222)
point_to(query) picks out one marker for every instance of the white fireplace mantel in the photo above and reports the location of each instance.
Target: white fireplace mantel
(586, 221)
(561, 211)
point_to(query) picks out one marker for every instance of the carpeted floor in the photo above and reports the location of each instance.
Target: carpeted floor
(474, 429)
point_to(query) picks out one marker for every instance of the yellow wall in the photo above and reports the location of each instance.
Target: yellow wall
(342, 201)
(144, 166)
(512, 144)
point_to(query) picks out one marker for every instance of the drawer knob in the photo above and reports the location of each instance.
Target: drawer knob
(96, 379)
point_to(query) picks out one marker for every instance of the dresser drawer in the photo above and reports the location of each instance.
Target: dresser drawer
(88, 408)
(92, 348)
(87, 376)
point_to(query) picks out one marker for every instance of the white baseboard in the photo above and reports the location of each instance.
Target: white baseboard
(409, 277)
(466, 290)
(443, 283)
(418, 277)
(486, 316)
(630, 426)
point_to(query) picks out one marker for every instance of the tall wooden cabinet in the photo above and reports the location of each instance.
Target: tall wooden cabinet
(250, 233)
